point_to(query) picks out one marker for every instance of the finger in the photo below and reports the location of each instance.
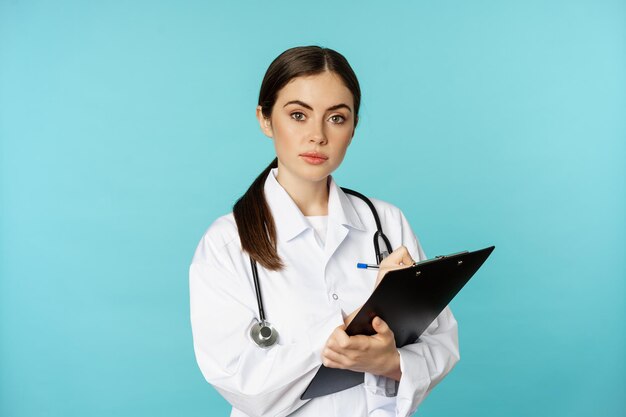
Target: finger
(406, 258)
(379, 325)
(334, 359)
(358, 343)
(339, 339)
(332, 356)
(400, 256)
(398, 259)
(349, 344)
(344, 360)
(329, 363)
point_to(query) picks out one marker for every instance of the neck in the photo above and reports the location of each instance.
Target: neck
(311, 197)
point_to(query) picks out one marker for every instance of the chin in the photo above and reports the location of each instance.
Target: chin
(307, 172)
(315, 177)
(317, 173)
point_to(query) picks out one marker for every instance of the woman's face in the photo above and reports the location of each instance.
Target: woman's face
(312, 124)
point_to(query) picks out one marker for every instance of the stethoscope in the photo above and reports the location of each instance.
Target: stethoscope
(262, 332)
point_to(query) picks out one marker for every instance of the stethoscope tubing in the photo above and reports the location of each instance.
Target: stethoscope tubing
(257, 287)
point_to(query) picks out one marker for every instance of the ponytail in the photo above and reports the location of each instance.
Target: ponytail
(255, 223)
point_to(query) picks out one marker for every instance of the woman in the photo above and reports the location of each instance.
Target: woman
(306, 235)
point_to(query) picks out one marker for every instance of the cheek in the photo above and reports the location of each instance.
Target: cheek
(341, 153)
(280, 146)
(284, 142)
(341, 147)
(342, 139)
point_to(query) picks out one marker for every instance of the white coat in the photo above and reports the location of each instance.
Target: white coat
(305, 302)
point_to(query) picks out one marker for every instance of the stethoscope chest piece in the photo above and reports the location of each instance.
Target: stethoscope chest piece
(263, 334)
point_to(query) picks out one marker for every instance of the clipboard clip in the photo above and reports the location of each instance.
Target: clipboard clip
(451, 255)
(438, 257)
(459, 262)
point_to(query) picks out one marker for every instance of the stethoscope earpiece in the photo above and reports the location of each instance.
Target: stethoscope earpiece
(263, 334)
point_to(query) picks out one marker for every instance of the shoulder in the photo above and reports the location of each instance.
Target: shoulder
(388, 213)
(221, 237)
(394, 223)
(387, 209)
(223, 231)
(391, 215)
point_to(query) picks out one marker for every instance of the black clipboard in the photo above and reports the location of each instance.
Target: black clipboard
(408, 300)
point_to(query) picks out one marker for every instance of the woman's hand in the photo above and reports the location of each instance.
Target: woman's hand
(398, 259)
(375, 354)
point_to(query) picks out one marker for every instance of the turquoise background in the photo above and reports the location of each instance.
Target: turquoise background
(126, 128)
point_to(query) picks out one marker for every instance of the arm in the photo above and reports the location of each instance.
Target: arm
(425, 363)
(419, 366)
(254, 380)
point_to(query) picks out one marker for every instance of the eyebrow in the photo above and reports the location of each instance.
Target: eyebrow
(331, 108)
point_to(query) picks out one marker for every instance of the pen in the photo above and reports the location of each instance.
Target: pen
(367, 266)
(370, 266)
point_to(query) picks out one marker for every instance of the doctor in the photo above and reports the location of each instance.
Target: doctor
(306, 235)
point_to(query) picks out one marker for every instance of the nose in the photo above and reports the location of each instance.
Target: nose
(317, 134)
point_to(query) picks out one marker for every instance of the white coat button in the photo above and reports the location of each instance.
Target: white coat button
(335, 297)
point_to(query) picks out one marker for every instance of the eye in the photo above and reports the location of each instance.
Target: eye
(297, 116)
(337, 119)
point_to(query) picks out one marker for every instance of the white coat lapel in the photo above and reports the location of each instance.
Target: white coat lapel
(290, 222)
(288, 219)
(342, 217)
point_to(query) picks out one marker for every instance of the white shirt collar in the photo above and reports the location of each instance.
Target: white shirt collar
(290, 221)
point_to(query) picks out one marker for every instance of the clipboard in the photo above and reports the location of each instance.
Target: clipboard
(408, 300)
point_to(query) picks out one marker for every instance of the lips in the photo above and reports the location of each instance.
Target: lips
(314, 155)
(314, 158)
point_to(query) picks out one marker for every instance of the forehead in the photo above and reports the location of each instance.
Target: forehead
(325, 89)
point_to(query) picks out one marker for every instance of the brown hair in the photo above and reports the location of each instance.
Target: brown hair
(253, 216)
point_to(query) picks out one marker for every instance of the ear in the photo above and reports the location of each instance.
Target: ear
(264, 123)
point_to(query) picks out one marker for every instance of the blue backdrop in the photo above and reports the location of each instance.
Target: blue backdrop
(126, 128)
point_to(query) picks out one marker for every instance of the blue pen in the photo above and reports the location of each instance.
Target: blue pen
(367, 266)
(370, 266)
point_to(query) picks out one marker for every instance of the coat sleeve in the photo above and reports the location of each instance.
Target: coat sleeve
(424, 363)
(252, 379)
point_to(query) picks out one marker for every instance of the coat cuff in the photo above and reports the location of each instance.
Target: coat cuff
(380, 385)
(414, 382)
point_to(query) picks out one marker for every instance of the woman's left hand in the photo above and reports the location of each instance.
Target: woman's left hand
(376, 354)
